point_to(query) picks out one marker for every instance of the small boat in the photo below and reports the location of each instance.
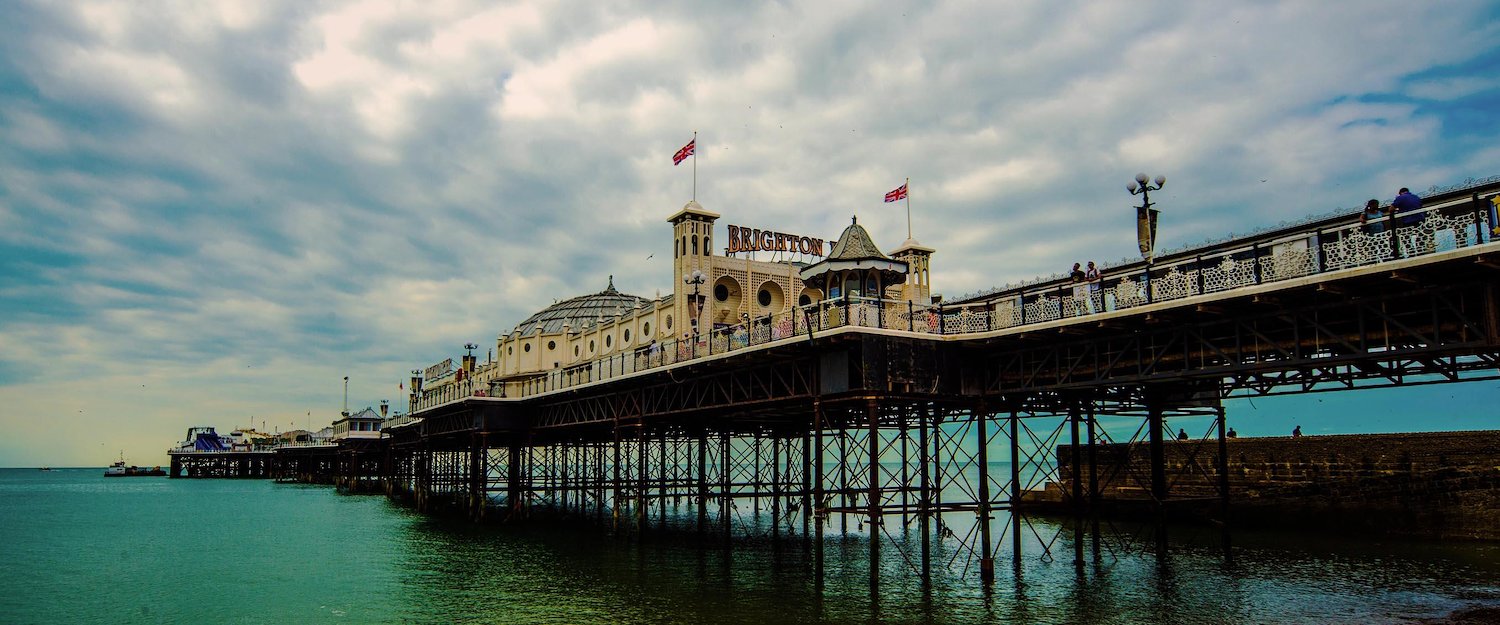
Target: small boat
(118, 469)
(44, 468)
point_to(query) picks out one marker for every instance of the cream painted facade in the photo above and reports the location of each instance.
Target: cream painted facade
(734, 288)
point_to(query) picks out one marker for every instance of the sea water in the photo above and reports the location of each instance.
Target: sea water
(78, 548)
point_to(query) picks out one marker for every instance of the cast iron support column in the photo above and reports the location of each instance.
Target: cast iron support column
(643, 460)
(808, 458)
(1075, 461)
(819, 505)
(936, 417)
(477, 477)
(986, 559)
(1223, 480)
(873, 414)
(703, 481)
(1158, 473)
(662, 475)
(1093, 483)
(905, 433)
(1158, 453)
(1015, 488)
(515, 490)
(843, 478)
(924, 495)
(726, 488)
(615, 481)
(775, 490)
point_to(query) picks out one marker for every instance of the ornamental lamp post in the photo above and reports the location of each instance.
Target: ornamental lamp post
(1145, 216)
(416, 390)
(696, 302)
(469, 358)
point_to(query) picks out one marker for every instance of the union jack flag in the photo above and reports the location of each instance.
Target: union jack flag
(898, 194)
(686, 151)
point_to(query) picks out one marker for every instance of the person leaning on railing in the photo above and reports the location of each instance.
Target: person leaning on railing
(1372, 218)
(1407, 207)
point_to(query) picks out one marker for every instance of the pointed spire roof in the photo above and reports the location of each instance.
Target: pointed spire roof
(855, 244)
(853, 251)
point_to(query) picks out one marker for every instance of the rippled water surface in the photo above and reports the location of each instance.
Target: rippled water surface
(77, 548)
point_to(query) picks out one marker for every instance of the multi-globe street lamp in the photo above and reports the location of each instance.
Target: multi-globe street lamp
(1145, 216)
(696, 301)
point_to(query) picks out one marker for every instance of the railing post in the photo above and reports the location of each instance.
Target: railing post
(1478, 224)
(1021, 301)
(1391, 228)
(1318, 251)
(1201, 282)
(1147, 282)
(911, 310)
(846, 307)
(941, 321)
(1255, 260)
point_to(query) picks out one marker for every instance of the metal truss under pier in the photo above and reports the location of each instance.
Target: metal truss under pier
(930, 449)
(225, 464)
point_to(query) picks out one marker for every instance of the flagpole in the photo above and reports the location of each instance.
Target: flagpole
(695, 166)
(908, 207)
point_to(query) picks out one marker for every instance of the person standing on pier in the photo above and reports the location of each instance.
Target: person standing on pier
(1373, 219)
(1297, 432)
(1080, 290)
(1407, 207)
(1092, 277)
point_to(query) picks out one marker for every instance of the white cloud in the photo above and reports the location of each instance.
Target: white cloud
(224, 198)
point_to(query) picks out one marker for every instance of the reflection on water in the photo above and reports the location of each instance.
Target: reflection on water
(481, 574)
(78, 548)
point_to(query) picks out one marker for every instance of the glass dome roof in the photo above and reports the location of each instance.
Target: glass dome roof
(581, 311)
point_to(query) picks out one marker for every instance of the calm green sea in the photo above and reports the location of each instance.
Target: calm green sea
(78, 548)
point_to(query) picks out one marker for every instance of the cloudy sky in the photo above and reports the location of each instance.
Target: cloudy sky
(211, 212)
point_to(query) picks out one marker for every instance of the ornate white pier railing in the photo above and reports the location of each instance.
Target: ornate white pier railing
(1331, 245)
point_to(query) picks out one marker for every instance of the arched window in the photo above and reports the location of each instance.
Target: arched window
(695, 245)
(708, 248)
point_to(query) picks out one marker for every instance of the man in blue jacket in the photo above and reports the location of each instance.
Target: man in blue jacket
(1406, 208)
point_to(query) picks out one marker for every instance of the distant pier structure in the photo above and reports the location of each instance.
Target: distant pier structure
(344, 454)
(790, 390)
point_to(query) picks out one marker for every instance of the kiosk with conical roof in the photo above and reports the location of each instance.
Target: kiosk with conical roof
(855, 267)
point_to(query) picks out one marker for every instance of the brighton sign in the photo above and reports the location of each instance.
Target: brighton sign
(438, 370)
(743, 239)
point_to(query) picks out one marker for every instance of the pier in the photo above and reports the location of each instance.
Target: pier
(930, 430)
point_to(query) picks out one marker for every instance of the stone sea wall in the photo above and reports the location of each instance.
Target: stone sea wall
(1437, 484)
